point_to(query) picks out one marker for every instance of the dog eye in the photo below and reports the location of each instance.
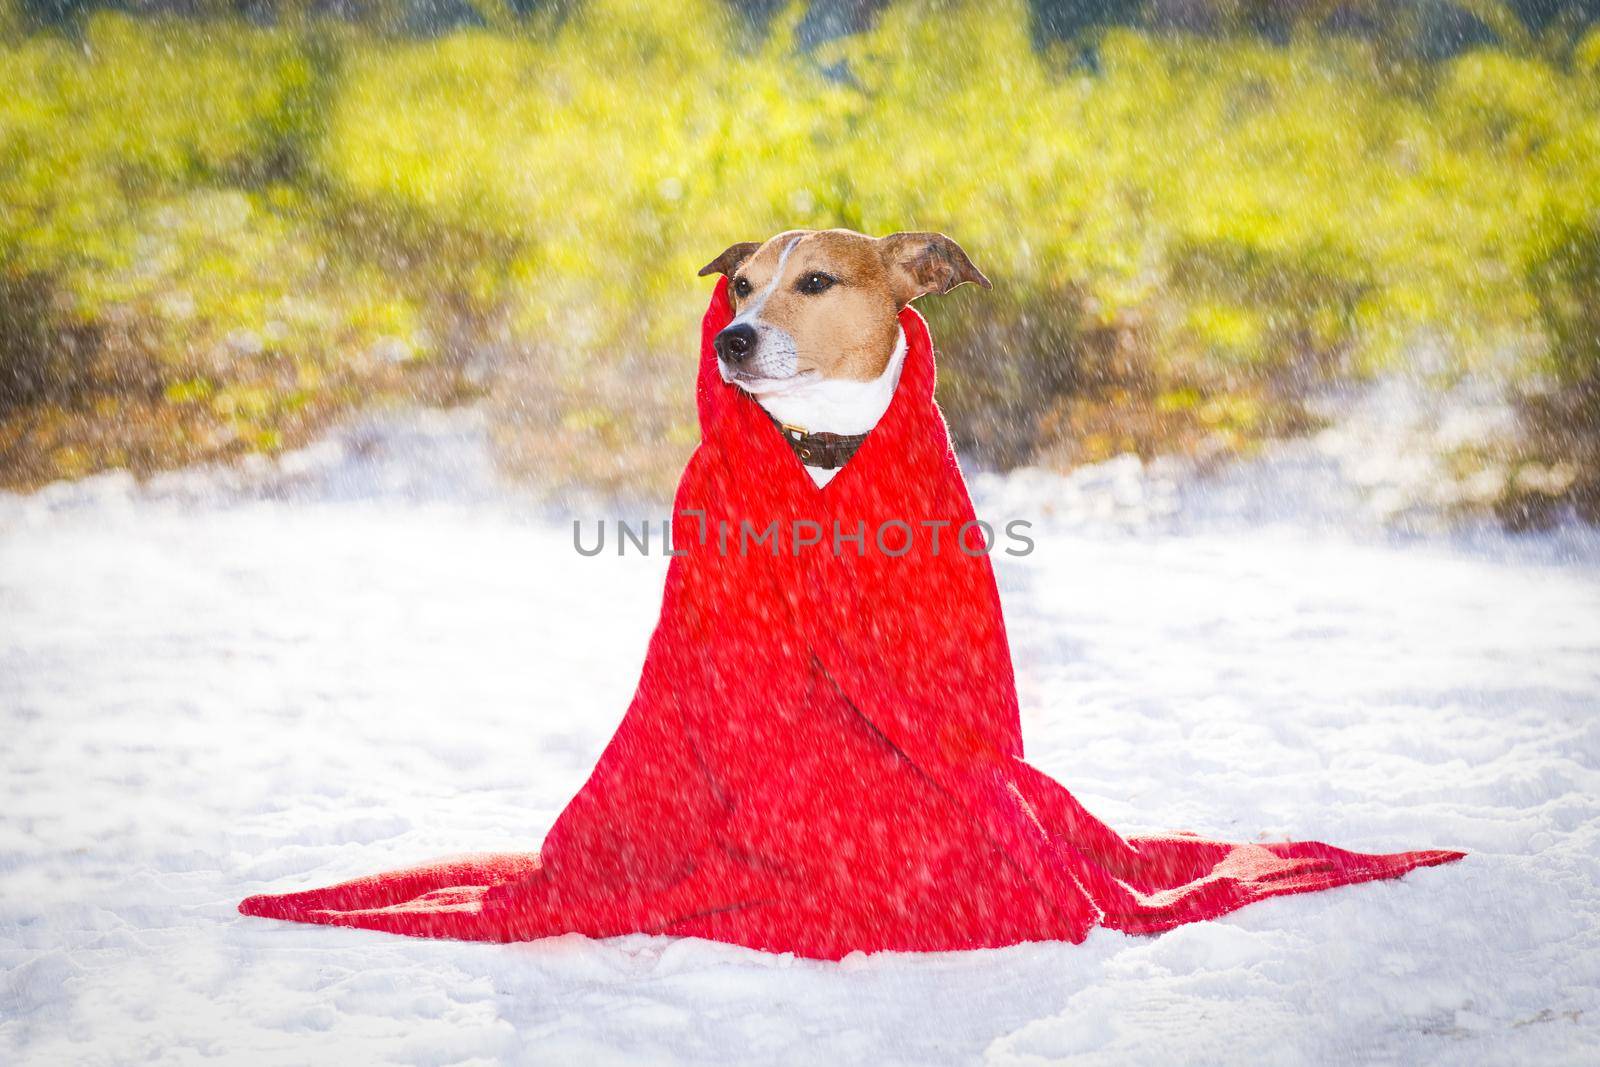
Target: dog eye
(741, 287)
(814, 283)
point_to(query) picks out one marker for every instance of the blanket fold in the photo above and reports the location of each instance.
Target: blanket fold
(824, 753)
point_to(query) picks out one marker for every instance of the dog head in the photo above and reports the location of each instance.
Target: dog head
(811, 304)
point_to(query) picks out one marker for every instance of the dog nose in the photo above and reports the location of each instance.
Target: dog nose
(735, 343)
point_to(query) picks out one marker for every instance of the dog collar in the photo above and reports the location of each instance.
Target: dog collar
(829, 451)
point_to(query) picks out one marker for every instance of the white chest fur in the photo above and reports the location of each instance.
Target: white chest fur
(823, 405)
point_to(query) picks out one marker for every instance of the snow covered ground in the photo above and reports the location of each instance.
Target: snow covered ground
(224, 684)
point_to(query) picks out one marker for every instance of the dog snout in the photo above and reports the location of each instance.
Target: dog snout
(735, 343)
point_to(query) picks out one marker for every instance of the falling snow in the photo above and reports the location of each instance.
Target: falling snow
(320, 323)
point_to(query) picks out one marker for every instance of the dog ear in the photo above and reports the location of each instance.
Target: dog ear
(730, 259)
(922, 263)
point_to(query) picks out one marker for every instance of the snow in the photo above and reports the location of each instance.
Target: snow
(228, 682)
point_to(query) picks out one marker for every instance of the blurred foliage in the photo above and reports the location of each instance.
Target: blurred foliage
(1562, 461)
(224, 234)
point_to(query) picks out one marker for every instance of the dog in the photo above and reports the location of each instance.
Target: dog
(816, 339)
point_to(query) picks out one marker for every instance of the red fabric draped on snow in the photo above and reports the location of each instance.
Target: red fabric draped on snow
(824, 753)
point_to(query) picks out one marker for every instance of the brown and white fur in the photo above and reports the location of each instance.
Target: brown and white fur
(815, 336)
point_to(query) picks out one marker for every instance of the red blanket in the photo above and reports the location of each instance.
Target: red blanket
(824, 753)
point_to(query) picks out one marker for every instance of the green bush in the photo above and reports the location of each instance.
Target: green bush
(1562, 409)
(163, 277)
